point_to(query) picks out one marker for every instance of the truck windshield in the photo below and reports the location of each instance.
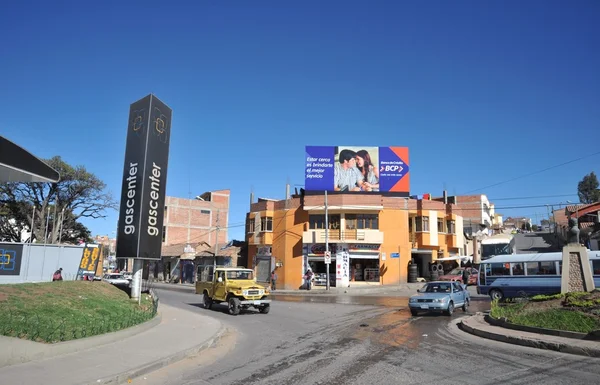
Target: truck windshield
(240, 274)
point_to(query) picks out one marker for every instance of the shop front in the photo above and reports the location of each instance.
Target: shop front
(349, 262)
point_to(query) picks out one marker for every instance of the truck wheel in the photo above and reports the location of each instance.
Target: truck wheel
(264, 309)
(207, 301)
(234, 306)
(496, 294)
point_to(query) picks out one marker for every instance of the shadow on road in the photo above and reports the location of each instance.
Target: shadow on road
(222, 308)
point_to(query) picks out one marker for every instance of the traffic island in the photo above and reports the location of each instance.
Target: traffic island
(52, 312)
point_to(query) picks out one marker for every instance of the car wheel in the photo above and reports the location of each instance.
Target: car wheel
(465, 305)
(264, 309)
(207, 301)
(234, 306)
(414, 312)
(450, 310)
(496, 294)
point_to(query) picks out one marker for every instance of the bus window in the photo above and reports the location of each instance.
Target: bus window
(541, 268)
(498, 269)
(517, 269)
(596, 266)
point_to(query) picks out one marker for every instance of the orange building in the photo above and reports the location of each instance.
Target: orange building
(371, 237)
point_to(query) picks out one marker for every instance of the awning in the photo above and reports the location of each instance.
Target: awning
(19, 165)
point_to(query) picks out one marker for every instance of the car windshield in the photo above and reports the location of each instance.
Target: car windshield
(456, 271)
(437, 288)
(240, 274)
(115, 276)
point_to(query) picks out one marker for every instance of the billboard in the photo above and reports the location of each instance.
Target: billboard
(10, 258)
(89, 261)
(357, 169)
(144, 180)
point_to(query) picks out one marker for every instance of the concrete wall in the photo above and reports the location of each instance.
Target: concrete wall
(37, 263)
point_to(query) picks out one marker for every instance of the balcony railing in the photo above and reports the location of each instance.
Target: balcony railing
(357, 235)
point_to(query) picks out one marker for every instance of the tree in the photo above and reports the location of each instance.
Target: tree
(587, 189)
(523, 226)
(528, 226)
(78, 194)
(535, 227)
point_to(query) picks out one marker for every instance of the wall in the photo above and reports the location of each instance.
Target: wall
(394, 224)
(39, 262)
(193, 220)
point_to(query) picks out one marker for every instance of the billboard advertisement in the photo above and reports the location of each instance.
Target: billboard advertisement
(10, 258)
(357, 169)
(89, 261)
(144, 184)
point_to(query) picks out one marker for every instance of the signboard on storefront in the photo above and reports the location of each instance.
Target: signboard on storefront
(342, 271)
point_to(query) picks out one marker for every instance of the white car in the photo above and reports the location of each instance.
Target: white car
(115, 279)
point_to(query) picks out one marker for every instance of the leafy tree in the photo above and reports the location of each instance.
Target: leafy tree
(587, 189)
(535, 227)
(528, 226)
(78, 194)
(523, 226)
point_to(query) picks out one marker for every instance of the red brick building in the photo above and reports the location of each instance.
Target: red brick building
(196, 220)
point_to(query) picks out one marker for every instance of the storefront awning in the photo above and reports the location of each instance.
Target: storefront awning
(19, 165)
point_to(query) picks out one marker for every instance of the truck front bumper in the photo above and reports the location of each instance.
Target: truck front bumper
(256, 302)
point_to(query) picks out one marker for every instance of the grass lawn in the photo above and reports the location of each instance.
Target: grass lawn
(67, 310)
(576, 312)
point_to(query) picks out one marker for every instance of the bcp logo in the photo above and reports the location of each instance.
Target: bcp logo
(391, 168)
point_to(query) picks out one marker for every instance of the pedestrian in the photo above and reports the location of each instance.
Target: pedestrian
(273, 280)
(308, 276)
(466, 273)
(57, 276)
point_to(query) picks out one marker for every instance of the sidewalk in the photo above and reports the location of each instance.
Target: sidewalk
(477, 325)
(179, 334)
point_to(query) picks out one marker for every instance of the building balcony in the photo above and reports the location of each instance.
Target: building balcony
(356, 236)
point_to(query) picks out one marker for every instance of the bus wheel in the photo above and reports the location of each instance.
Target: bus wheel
(496, 294)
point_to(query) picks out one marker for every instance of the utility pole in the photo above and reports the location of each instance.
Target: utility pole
(216, 243)
(327, 240)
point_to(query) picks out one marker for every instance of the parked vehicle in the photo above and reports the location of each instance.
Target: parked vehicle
(499, 244)
(440, 296)
(235, 286)
(522, 275)
(456, 275)
(115, 279)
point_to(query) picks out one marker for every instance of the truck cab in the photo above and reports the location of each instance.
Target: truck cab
(236, 286)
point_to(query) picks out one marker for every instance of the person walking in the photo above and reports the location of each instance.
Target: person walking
(273, 280)
(57, 276)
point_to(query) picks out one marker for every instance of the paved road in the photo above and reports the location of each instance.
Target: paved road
(535, 243)
(312, 342)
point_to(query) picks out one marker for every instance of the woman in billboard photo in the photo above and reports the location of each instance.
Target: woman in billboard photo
(368, 170)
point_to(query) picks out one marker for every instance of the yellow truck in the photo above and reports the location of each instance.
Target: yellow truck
(234, 285)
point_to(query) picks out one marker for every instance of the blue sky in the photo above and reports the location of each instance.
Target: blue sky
(481, 93)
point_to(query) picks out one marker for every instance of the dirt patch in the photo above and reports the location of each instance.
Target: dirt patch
(543, 305)
(3, 297)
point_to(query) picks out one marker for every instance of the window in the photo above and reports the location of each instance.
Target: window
(451, 227)
(250, 226)
(596, 267)
(266, 224)
(440, 223)
(424, 225)
(204, 211)
(410, 224)
(318, 221)
(164, 236)
(517, 269)
(497, 269)
(362, 221)
(541, 268)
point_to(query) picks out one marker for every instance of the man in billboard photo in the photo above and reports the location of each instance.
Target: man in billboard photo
(346, 176)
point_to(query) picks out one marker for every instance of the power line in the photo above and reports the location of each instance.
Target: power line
(534, 173)
(534, 197)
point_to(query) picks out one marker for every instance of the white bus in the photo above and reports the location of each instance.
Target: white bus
(521, 275)
(499, 244)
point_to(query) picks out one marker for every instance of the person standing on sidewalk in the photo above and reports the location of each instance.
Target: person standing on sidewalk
(466, 273)
(273, 280)
(308, 277)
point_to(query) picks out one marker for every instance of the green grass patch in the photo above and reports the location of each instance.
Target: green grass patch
(548, 315)
(62, 311)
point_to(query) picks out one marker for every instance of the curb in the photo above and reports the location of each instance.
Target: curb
(532, 343)
(530, 329)
(160, 363)
(27, 351)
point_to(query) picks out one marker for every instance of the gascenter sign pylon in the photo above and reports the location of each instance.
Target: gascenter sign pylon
(144, 180)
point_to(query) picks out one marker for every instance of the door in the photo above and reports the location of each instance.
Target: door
(220, 287)
(459, 294)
